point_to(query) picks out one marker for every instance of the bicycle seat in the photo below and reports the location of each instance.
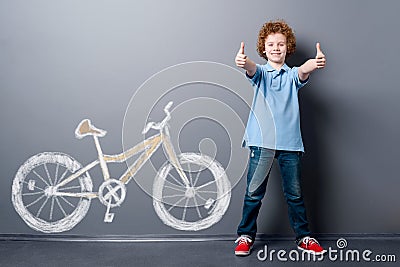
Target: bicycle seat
(86, 128)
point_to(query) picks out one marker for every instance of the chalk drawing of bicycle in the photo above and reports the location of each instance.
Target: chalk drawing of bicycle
(52, 191)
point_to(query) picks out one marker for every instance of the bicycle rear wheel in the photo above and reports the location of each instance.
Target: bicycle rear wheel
(202, 203)
(33, 199)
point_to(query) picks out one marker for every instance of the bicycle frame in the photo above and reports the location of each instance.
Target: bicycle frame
(147, 147)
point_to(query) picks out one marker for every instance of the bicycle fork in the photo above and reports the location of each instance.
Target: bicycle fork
(170, 151)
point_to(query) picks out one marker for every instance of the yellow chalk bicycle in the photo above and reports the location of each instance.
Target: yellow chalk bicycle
(52, 191)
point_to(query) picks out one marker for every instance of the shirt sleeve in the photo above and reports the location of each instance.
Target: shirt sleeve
(298, 82)
(256, 78)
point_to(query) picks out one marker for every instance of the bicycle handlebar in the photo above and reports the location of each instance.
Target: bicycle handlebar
(167, 107)
(159, 125)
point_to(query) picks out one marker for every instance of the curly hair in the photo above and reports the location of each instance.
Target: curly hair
(277, 26)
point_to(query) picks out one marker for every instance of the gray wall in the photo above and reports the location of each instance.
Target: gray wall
(62, 61)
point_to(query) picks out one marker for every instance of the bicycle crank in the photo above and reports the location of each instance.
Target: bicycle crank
(112, 193)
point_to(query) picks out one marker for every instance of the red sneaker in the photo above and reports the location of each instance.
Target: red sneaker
(310, 245)
(244, 245)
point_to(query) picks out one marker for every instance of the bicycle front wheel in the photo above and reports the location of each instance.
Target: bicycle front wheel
(196, 206)
(33, 193)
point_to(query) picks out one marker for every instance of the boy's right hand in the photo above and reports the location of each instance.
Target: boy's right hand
(241, 58)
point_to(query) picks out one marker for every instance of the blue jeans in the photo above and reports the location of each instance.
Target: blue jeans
(260, 163)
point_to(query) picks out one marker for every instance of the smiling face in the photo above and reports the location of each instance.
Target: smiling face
(276, 48)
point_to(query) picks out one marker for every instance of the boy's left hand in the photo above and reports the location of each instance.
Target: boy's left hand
(312, 64)
(320, 57)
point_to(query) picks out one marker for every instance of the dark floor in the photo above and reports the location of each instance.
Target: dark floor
(194, 253)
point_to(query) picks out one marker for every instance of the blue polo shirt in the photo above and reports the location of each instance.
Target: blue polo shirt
(274, 119)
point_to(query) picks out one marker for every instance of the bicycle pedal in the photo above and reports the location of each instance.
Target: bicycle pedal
(108, 217)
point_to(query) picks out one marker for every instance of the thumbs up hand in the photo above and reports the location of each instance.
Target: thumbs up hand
(241, 58)
(320, 57)
(242, 61)
(312, 64)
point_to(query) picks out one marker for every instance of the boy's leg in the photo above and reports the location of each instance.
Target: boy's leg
(290, 167)
(260, 163)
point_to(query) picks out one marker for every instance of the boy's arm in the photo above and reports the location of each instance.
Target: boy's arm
(242, 61)
(312, 64)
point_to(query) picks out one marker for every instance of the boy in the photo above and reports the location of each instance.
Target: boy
(276, 90)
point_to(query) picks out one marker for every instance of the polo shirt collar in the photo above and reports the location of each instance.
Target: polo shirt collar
(284, 67)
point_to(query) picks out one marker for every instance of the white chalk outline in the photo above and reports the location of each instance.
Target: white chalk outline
(53, 188)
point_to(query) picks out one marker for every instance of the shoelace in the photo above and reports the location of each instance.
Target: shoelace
(244, 239)
(308, 241)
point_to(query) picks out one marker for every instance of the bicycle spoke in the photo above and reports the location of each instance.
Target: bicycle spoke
(36, 201)
(185, 209)
(63, 175)
(178, 195)
(190, 173)
(41, 207)
(32, 194)
(51, 208)
(40, 177)
(202, 198)
(174, 187)
(37, 187)
(176, 180)
(61, 208)
(197, 208)
(47, 173)
(176, 203)
(197, 178)
(206, 184)
(56, 174)
(205, 191)
(66, 201)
